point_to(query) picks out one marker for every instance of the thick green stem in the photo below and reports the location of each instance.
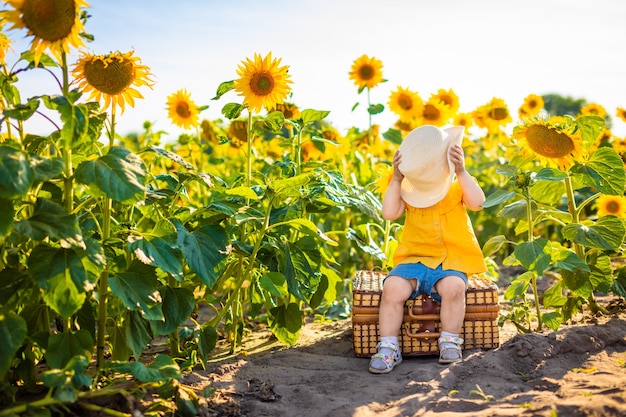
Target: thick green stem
(249, 148)
(103, 286)
(531, 237)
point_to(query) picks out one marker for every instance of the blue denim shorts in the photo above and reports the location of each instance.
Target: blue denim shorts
(426, 278)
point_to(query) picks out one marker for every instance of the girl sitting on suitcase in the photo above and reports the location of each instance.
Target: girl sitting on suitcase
(438, 248)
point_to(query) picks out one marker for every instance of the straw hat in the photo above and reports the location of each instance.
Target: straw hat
(426, 166)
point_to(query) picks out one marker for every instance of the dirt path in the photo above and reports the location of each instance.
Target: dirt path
(578, 372)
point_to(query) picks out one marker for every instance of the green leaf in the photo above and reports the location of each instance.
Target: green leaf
(206, 339)
(494, 244)
(552, 319)
(178, 304)
(173, 157)
(138, 292)
(16, 174)
(22, 111)
(67, 382)
(498, 197)
(568, 260)
(553, 297)
(62, 276)
(375, 109)
(118, 343)
(310, 115)
(120, 175)
(274, 283)
(7, 214)
(601, 271)
(243, 192)
(548, 192)
(302, 276)
(307, 227)
(203, 249)
(286, 323)
(232, 110)
(136, 332)
(224, 88)
(519, 286)
(62, 347)
(12, 335)
(578, 281)
(51, 221)
(162, 369)
(393, 135)
(606, 233)
(45, 169)
(516, 210)
(591, 128)
(535, 255)
(604, 170)
(550, 174)
(160, 252)
(274, 121)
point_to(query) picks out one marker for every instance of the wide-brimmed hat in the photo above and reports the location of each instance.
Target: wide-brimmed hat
(426, 166)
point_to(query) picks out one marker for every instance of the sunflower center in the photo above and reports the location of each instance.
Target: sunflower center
(405, 102)
(366, 72)
(262, 83)
(182, 109)
(612, 207)
(110, 77)
(431, 112)
(549, 142)
(49, 20)
(498, 113)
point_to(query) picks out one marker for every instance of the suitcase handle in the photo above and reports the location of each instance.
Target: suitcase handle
(426, 336)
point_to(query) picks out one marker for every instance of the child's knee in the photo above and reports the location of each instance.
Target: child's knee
(451, 287)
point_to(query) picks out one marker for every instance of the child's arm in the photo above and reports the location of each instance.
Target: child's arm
(473, 195)
(393, 205)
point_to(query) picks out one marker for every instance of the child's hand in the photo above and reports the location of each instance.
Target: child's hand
(458, 158)
(397, 159)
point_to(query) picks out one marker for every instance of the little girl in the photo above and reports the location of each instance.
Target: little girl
(438, 248)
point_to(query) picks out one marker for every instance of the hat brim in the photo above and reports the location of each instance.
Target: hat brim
(422, 199)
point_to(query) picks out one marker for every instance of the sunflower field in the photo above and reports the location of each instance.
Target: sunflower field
(109, 243)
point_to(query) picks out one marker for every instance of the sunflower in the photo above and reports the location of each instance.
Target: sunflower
(262, 82)
(385, 175)
(208, 132)
(53, 24)
(533, 104)
(405, 127)
(449, 98)
(611, 205)
(555, 141)
(112, 77)
(238, 130)
(406, 104)
(463, 119)
(366, 72)
(5, 45)
(289, 110)
(435, 112)
(621, 113)
(181, 110)
(593, 109)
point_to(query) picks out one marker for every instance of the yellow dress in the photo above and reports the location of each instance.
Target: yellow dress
(441, 234)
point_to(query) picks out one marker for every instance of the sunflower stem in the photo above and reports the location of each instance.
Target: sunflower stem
(249, 148)
(531, 237)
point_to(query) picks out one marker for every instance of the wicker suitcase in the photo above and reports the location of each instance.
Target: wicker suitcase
(421, 328)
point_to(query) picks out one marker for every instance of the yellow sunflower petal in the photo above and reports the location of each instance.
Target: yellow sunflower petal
(181, 110)
(55, 25)
(406, 104)
(366, 72)
(262, 82)
(111, 79)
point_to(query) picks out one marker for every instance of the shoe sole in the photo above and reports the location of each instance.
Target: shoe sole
(386, 370)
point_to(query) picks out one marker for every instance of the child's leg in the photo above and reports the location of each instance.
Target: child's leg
(396, 290)
(452, 313)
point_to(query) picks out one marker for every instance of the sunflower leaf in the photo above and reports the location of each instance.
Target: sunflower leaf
(604, 170)
(232, 110)
(223, 88)
(607, 233)
(591, 127)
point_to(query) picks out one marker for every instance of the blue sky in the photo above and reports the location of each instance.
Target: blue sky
(480, 48)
